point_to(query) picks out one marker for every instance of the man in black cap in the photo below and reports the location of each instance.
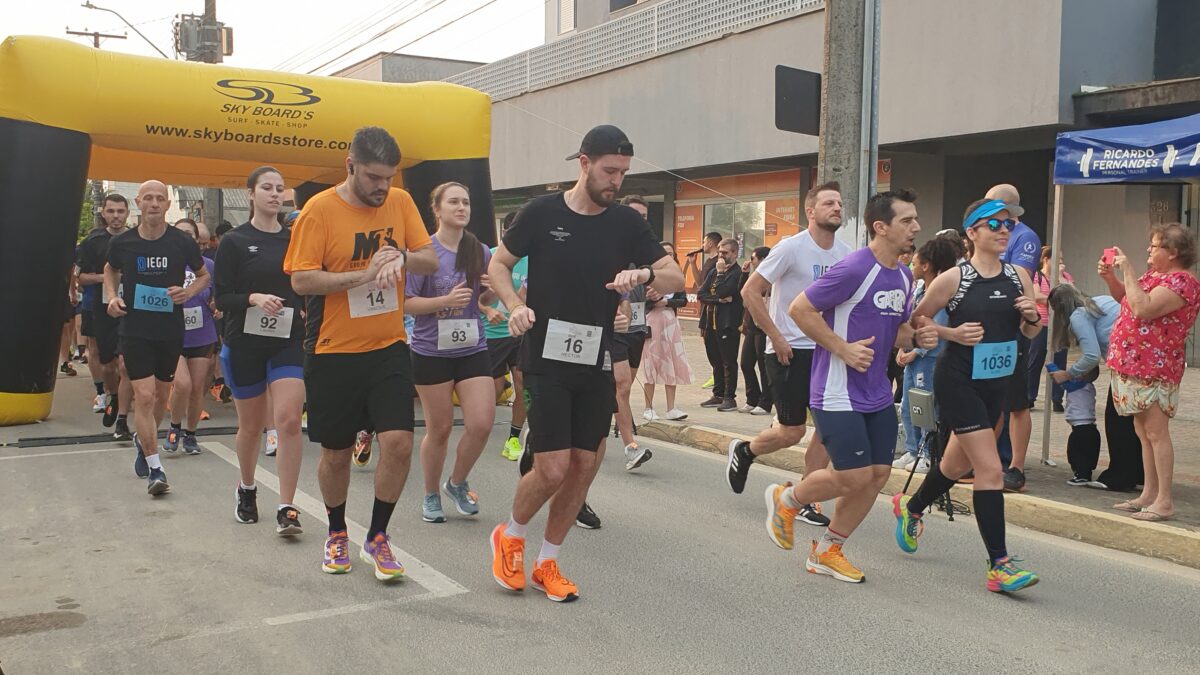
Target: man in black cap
(580, 244)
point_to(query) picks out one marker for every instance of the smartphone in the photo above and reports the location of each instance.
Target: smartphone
(1110, 254)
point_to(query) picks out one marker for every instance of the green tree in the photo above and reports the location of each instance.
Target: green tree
(87, 215)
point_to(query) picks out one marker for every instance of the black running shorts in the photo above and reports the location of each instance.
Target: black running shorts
(201, 352)
(150, 358)
(628, 347)
(106, 331)
(428, 370)
(348, 393)
(1018, 382)
(569, 411)
(967, 405)
(790, 384)
(504, 354)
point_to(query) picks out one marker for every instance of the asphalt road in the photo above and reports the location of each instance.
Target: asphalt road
(97, 577)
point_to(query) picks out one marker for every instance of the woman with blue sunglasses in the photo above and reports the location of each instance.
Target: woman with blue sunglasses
(989, 303)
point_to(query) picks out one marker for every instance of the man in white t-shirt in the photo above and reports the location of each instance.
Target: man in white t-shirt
(793, 265)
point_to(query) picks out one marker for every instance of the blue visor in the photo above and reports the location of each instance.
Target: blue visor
(988, 208)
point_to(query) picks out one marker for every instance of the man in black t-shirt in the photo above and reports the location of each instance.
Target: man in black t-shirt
(151, 261)
(100, 328)
(579, 244)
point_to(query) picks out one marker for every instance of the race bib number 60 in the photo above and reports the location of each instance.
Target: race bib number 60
(572, 342)
(193, 318)
(371, 300)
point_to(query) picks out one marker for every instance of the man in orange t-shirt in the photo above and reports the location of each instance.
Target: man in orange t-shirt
(349, 251)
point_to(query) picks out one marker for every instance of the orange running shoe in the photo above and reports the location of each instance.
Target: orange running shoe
(780, 517)
(508, 559)
(558, 588)
(833, 563)
(204, 415)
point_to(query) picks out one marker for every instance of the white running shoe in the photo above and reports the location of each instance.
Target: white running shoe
(746, 408)
(675, 414)
(272, 442)
(759, 410)
(923, 465)
(99, 403)
(904, 461)
(649, 415)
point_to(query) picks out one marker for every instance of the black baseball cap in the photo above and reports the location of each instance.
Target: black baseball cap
(604, 140)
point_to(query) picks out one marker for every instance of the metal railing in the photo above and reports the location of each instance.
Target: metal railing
(659, 29)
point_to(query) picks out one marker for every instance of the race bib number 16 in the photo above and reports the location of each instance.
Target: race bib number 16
(572, 342)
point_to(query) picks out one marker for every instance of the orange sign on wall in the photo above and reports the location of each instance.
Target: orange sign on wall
(783, 220)
(689, 230)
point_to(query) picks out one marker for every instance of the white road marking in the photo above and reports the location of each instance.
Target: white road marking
(66, 452)
(438, 584)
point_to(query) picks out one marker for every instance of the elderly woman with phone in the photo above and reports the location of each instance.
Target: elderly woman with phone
(1146, 353)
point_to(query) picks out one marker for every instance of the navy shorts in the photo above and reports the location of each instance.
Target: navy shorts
(855, 440)
(249, 369)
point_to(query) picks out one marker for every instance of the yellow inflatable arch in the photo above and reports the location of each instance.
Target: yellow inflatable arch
(68, 113)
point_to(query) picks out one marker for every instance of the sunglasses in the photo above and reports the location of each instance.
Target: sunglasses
(994, 224)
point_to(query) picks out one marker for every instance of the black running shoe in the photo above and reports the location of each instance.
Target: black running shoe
(110, 411)
(738, 468)
(157, 483)
(1014, 480)
(122, 433)
(808, 513)
(247, 505)
(587, 518)
(140, 467)
(287, 521)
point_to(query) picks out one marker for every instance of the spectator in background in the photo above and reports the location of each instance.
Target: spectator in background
(1146, 355)
(754, 349)
(663, 359)
(720, 317)
(1037, 346)
(709, 249)
(1024, 250)
(1088, 323)
(936, 256)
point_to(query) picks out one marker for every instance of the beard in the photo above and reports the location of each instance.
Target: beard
(596, 192)
(830, 224)
(375, 199)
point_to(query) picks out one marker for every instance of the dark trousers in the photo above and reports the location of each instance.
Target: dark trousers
(1125, 469)
(721, 345)
(754, 351)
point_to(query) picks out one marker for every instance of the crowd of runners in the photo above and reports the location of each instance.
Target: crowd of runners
(305, 317)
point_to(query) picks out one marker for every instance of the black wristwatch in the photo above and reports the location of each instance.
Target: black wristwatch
(650, 270)
(1035, 322)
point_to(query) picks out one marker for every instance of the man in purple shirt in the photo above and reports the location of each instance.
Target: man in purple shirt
(1024, 250)
(855, 313)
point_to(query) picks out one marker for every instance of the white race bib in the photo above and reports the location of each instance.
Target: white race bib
(258, 322)
(193, 318)
(457, 333)
(637, 317)
(572, 342)
(371, 300)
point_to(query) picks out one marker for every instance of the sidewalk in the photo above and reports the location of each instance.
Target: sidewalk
(1048, 505)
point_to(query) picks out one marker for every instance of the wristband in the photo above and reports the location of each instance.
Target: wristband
(519, 305)
(650, 270)
(1035, 322)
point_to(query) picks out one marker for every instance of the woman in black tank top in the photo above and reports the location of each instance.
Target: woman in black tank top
(988, 303)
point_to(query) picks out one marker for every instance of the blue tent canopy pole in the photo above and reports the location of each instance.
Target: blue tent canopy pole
(1167, 151)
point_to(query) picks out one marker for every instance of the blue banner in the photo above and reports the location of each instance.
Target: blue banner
(1157, 152)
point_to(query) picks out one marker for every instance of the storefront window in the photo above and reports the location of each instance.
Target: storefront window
(743, 221)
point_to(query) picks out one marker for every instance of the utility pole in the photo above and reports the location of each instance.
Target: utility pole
(210, 52)
(848, 142)
(95, 35)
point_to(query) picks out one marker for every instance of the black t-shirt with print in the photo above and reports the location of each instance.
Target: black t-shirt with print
(148, 267)
(251, 261)
(571, 258)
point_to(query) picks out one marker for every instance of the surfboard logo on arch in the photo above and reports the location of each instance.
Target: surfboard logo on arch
(266, 92)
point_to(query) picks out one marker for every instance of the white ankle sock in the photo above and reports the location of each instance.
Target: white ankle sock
(515, 529)
(789, 499)
(251, 486)
(549, 551)
(154, 461)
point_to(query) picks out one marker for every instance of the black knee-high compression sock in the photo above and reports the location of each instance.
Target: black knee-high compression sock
(935, 485)
(989, 515)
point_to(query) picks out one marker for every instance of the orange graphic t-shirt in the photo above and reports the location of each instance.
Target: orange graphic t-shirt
(334, 236)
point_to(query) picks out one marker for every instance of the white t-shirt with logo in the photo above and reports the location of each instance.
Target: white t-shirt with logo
(791, 267)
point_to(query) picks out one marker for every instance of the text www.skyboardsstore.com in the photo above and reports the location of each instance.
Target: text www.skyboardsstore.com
(226, 136)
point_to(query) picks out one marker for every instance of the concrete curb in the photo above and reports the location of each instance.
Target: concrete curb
(1153, 540)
